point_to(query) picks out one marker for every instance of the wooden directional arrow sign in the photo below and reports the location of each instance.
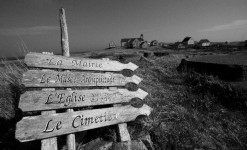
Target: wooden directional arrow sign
(42, 78)
(45, 126)
(46, 100)
(62, 62)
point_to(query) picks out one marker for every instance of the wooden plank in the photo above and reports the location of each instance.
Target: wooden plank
(123, 132)
(41, 78)
(60, 99)
(62, 62)
(45, 126)
(71, 137)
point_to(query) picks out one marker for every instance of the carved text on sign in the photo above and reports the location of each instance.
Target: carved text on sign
(45, 126)
(62, 62)
(38, 78)
(64, 99)
(74, 62)
(80, 121)
(71, 78)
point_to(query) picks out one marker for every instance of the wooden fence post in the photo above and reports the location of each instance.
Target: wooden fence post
(65, 51)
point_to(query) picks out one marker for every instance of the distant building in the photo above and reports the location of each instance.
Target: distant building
(188, 41)
(178, 45)
(154, 43)
(144, 44)
(132, 42)
(142, 37)
(204, 43)
(112, 45)
(181, 45)
(161, 44)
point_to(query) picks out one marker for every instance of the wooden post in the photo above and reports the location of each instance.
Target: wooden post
(122, 131)
(65, 52)
(64, 33)
(50, 143)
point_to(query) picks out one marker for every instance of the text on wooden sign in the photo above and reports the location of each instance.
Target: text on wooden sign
(59, 99)
(62, 62)
(44, 126)
(41, 78)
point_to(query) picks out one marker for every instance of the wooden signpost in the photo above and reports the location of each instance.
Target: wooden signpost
(50, 125)
(71, 72)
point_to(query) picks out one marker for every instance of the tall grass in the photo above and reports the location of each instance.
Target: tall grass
(188, 110)
(10, 79)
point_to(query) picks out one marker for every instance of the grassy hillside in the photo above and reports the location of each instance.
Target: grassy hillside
(190, 111)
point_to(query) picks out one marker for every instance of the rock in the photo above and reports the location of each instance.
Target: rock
(144, 137)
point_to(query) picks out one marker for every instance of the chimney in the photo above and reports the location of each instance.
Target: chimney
(141, 37)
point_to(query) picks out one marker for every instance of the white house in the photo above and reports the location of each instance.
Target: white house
(204, 42)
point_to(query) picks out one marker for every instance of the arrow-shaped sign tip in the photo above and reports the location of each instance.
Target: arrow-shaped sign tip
(132, 66)
(145, 110)
(136, 79)
(142, 94)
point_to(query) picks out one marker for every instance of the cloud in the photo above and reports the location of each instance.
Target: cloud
(233, 25)
(36, 30)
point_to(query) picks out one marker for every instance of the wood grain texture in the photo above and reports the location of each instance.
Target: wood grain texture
(65, 51)
(41, 78)
(64, 33)
(60, 99)
(45, 126)
(62, 62)
(122, 131)
(71, 137)
(51, 143)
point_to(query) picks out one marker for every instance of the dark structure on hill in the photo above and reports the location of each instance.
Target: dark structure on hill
(112, 45)
(132, 42)
(178, 45)
(188, 41)
(154, 43)
(226, 67)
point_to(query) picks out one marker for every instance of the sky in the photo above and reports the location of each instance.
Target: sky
(33, 25)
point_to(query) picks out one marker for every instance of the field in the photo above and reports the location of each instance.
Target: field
(190, 110)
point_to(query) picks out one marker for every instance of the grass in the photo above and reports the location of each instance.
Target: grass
(190, 111)
(10, 78)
